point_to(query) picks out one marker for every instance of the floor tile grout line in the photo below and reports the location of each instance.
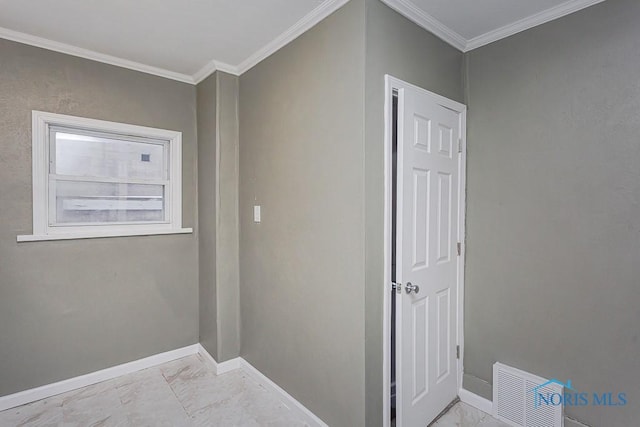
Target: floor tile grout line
(177, 399)
(176, 396)
(128, 390)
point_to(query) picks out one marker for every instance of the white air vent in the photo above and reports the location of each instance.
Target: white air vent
(517, 402)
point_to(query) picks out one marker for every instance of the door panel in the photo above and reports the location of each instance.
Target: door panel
(426, 251)
(420, 312)
(443, 343)
(444, 217)
(421, 186)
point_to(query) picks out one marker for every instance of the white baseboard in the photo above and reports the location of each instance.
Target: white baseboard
(31, 395)
(219, 368)
(259, 377)
(45, 391)
(478, 402)
(287, 399)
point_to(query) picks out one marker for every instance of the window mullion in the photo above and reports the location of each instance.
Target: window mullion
(52, 200)
(108, 180)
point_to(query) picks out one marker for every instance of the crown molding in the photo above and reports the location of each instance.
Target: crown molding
(428, 22)
(529, 22)
(431, 24)
(19, 37)
(211, 68)
(68, 49)
(325, 9)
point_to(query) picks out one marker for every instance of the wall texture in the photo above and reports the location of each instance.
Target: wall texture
(228, 273)
(218, 176)
(398, 47)
(554, 207)
(207, 100)
(72, 307)
(552, 200)
(302, 267)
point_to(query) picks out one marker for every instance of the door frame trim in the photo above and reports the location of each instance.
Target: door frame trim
(391, 84)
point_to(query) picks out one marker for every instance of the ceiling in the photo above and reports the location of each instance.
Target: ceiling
(187, 41)
(469, 24)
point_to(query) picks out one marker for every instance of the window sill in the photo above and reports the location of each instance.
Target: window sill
(98, 235)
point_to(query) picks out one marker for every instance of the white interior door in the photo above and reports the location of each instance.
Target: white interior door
(427, 256)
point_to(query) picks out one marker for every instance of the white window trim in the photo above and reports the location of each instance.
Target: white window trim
(40, 153)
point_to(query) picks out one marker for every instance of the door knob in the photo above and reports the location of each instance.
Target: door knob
(411, 288)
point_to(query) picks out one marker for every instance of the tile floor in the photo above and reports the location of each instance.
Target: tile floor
(184, 392)
(463, 415)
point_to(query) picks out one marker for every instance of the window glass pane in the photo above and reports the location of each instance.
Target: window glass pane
(99, 202)
(84, 155)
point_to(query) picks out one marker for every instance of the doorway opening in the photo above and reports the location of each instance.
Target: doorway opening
(424, 253)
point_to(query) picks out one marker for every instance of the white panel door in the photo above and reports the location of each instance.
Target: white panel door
(427, 257)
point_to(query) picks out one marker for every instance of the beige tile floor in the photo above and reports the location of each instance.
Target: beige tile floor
(185, 392)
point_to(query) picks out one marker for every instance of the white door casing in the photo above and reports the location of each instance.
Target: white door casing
(428, 229)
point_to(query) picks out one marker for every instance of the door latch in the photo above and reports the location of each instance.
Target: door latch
(408, 287)
(396, 287)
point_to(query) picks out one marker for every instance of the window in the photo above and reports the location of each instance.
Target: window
(93, 178)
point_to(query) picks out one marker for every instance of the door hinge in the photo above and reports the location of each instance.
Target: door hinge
(459, 245)
(459, 145)
(457, 352)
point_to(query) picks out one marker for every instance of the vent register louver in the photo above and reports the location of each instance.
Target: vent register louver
(514, 399)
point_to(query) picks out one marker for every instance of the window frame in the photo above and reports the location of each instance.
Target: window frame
(42, 122)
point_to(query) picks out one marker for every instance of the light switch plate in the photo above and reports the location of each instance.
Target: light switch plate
(256, 214)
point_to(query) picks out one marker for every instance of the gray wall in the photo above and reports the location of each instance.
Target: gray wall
(207, 100)
(398, 47)
(228, 274)
(553, 207)
(302, 268)
(72, 307)
(218, 176)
